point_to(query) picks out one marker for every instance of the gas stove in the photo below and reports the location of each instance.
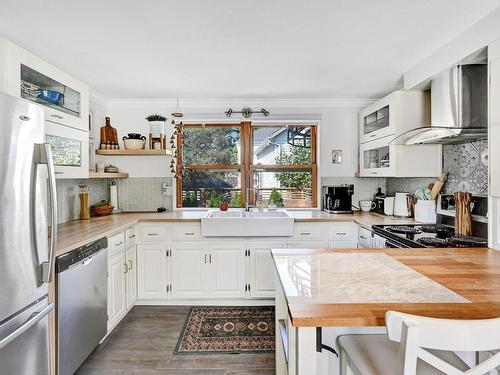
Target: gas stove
(441, 234)
(425, 236)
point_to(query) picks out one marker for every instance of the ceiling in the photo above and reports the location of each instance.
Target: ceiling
(331, 49)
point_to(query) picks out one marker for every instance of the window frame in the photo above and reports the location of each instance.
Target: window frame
(246, 163)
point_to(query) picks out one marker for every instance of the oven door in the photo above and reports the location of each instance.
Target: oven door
(70, 150)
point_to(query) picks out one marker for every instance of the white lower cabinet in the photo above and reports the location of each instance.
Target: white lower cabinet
(117, 304)
(174, 263)
(227, 274)
(307, 244)
(213, 270)
(342, 244)
(152, 271)
(262, 274)
(189, 262)
(122, 283)
(131, 276)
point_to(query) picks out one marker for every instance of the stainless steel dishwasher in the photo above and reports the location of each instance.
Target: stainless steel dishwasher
(82, 303)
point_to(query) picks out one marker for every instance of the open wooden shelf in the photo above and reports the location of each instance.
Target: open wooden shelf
(133, 152)
(107, 175)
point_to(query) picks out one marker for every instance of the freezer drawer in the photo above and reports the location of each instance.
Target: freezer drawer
(24, 341)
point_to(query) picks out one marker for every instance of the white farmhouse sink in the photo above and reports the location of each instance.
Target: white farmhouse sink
(247, 224)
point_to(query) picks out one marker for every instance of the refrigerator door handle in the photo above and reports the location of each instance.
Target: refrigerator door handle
(34, 319)
(43, 155)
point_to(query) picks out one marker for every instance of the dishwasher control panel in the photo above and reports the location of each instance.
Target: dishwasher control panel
(76, 256)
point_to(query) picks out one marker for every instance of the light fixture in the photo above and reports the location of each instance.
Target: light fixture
(177, 111)
(247, 112)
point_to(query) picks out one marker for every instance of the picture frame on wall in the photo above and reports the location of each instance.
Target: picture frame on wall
(336, 156)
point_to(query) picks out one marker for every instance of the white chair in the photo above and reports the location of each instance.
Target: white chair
(418, 345)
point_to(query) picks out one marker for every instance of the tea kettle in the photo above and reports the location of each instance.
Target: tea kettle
(403, 205)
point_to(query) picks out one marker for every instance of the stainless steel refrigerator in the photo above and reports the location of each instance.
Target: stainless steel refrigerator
(27, 209)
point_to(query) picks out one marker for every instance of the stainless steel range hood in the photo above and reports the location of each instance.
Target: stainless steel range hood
(459, 110)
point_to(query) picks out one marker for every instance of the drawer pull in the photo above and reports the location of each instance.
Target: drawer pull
(189, 233)
(305, 233)
(57, 117)
(119, 243)
(132, 236)
(341, 233)
(373, 135)
(130, 265)
(152, 234)
(363, 237)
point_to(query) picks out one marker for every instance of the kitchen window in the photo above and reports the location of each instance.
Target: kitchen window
(217, 161)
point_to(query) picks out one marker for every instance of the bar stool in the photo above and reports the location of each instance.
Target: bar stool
(418, 345)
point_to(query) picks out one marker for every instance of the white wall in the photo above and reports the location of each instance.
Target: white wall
(478, 36)
(338, 128)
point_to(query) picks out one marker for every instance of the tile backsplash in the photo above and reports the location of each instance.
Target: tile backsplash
(134, 194)
(467, 165)
(408, 184)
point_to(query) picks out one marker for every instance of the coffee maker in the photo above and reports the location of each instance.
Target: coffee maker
(338, 199)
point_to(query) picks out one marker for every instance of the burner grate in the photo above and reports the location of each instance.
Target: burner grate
(403, 229)
(437, 228)
(436, 242)
(468, 240)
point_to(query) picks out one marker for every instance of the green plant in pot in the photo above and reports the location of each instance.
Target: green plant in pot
(235, 201)
(156, 125)
(156, 117)
(190, 199)
(214, 200)
(275, 199)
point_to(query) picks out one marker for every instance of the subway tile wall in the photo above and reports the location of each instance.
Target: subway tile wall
(134, 194)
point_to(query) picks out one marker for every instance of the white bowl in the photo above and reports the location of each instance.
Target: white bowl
(134, 144)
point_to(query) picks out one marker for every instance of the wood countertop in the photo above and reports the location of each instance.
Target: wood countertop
(454, 283)
(80, 232)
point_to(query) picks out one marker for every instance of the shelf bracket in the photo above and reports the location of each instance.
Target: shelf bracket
(319, 343)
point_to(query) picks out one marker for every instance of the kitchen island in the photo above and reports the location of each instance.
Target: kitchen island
(324, 293)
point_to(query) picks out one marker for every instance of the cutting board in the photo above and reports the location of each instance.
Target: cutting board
(108, 133)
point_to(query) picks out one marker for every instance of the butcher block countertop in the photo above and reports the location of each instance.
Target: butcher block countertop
(80, 232)
(355, 287)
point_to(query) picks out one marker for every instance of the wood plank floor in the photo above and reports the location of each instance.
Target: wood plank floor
(144, 342)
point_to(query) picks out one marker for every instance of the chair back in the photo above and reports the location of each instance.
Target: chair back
(418, 335)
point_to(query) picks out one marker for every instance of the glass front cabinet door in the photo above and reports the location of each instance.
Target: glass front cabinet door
(70, 150)
(66, 99)
(376, 158)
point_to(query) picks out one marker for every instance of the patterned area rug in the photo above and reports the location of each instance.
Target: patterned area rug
(218, 330)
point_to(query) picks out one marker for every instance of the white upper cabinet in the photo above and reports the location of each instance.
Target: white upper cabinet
(24, 75)
(380, 154)
(393, 115)
(383, 158)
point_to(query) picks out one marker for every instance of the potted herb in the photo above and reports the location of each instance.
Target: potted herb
(214, 200)
(190, 199)
(275, 200)
(156, 124)
(235, 200)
